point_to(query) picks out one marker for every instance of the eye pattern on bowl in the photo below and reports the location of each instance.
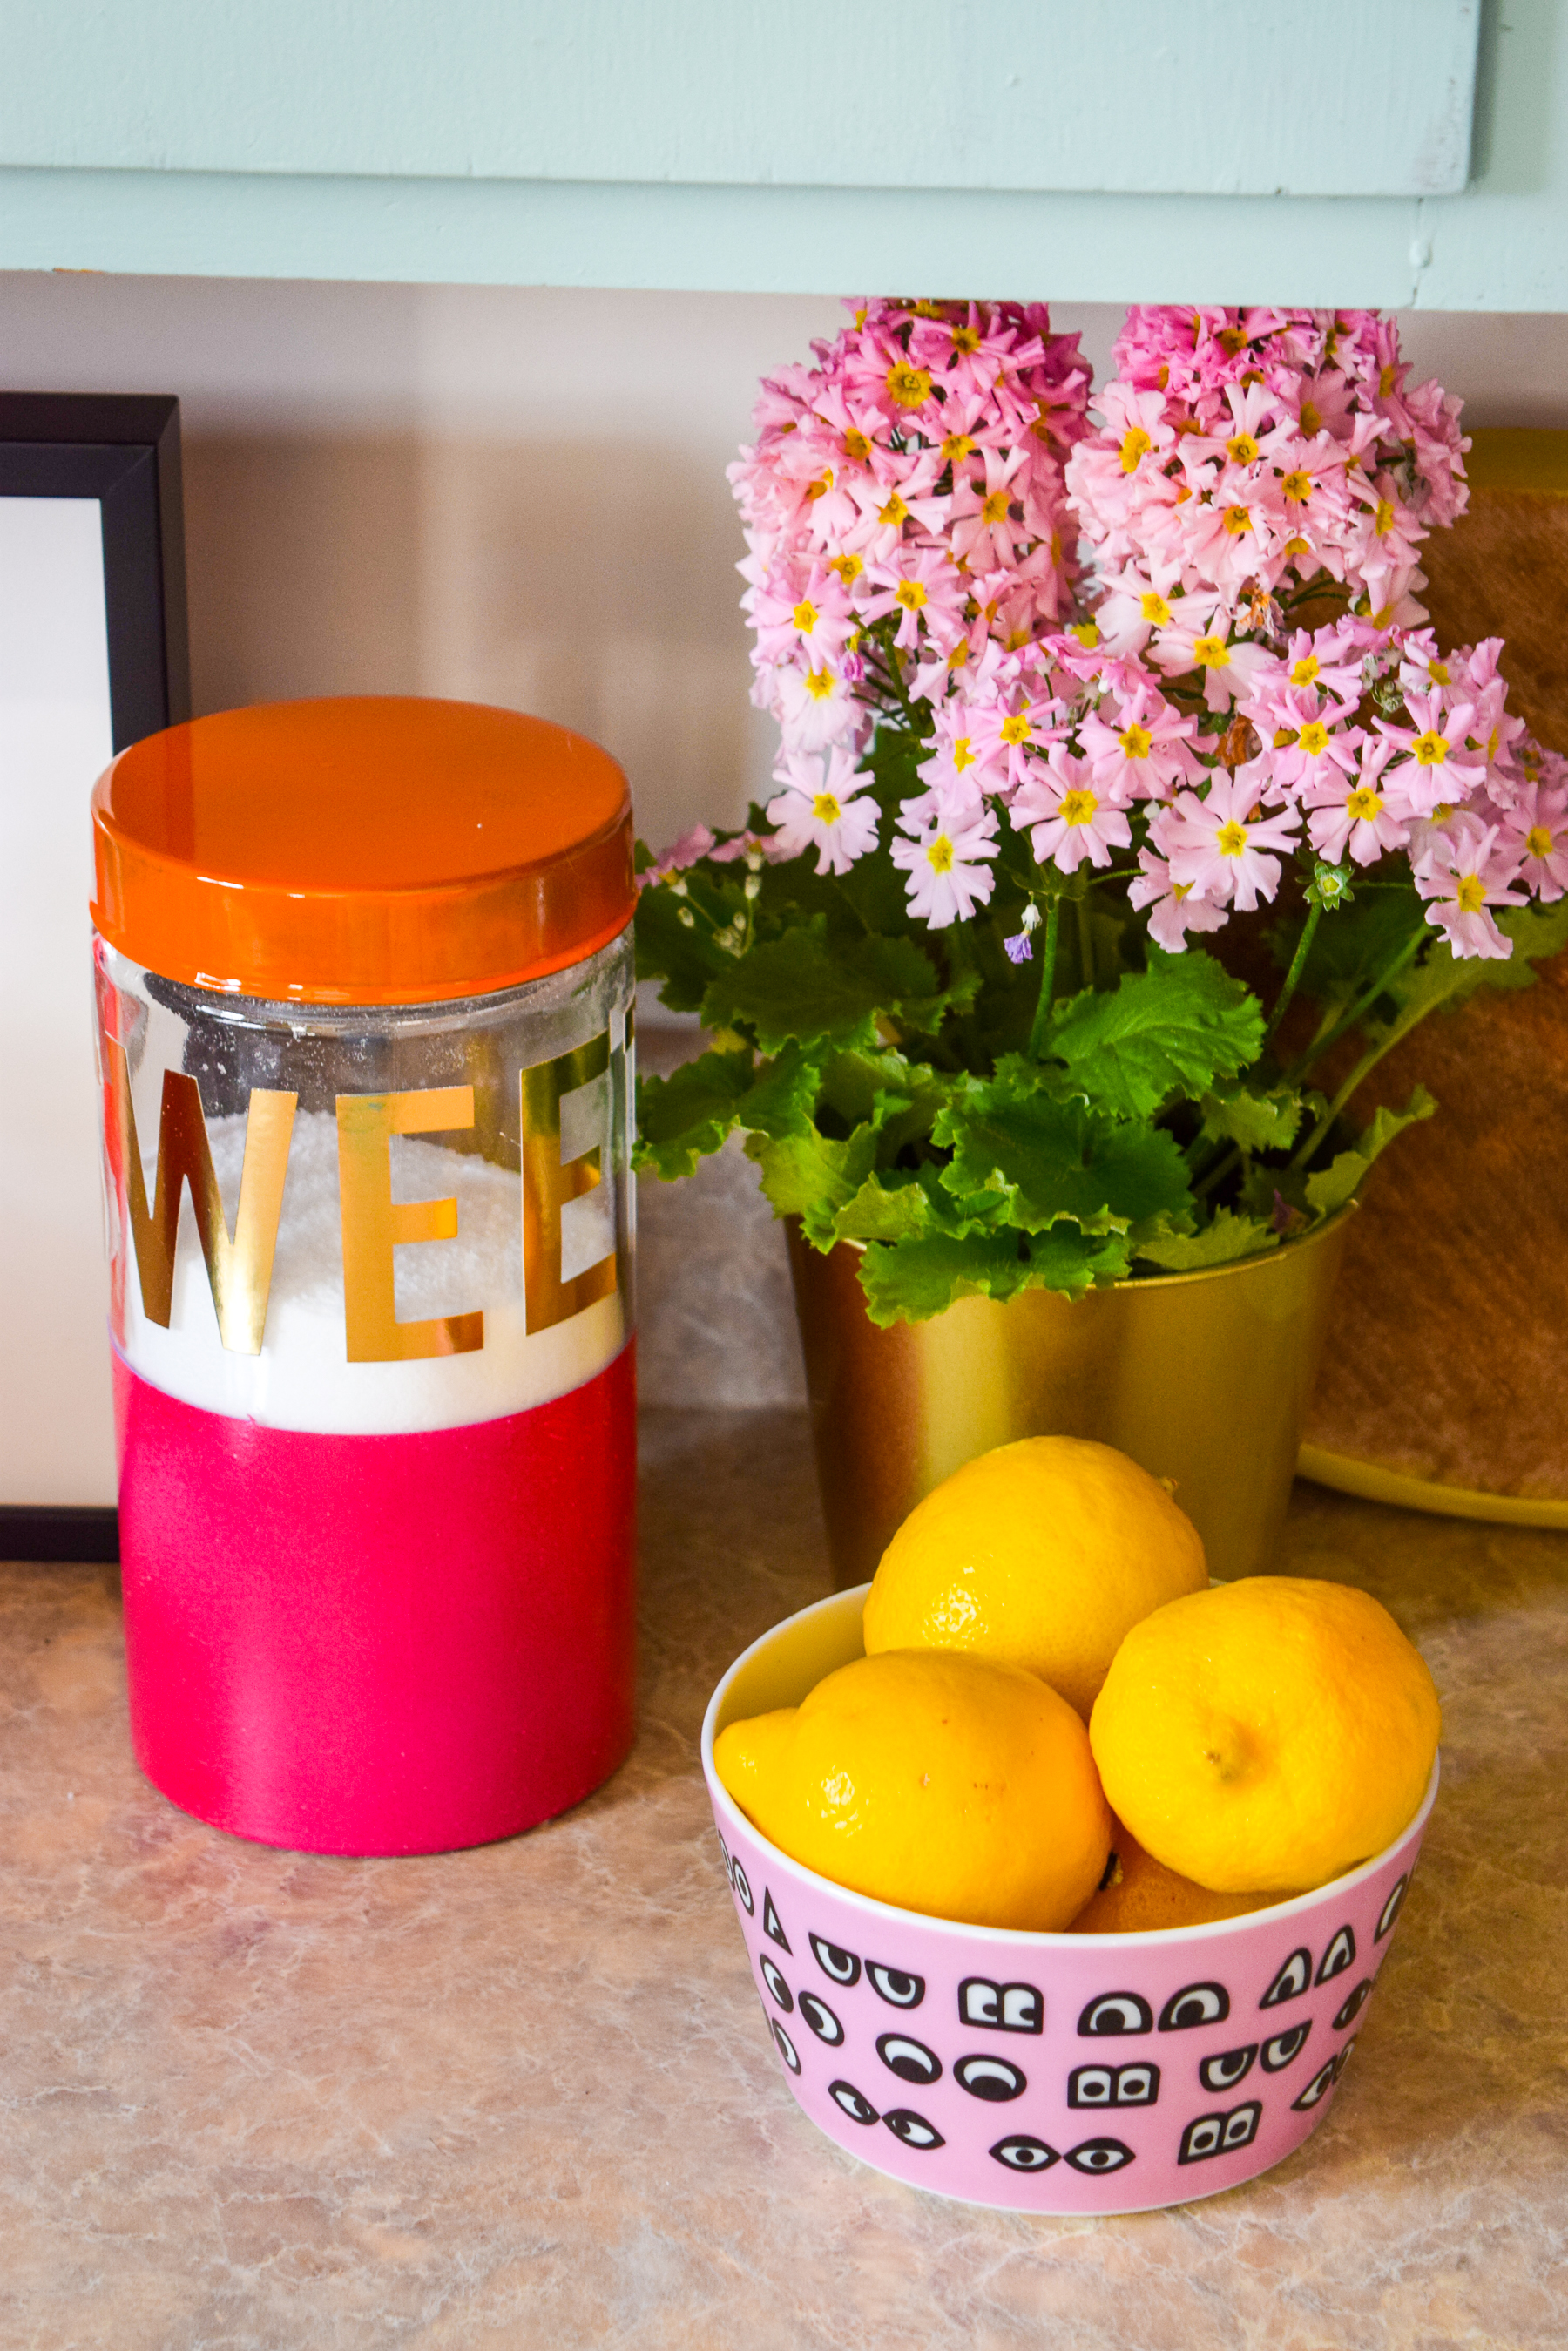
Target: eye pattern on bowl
(1113, 2085)
(1021, 2152)
(910, 2060)
(1116, 2012)
(1391, 1908)
(1003, 2007)
(821, 2020)
(992, 2078)
(1198, 2004)
(1231, 2065)
(841, 1968)
(1279, 2051)
(1194, 2060)
(891, 1984)
(1208, 2134)
(775, 1983)
(1354, 2005)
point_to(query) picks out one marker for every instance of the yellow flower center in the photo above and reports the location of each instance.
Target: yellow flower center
(1242, 449)
(804, 617)
(966, 339)
(1210, 653)
(1313, 737)
(848, 567)
(819, 684)
(1134, 741)
(994, 511)
(1363, 804)
(1430, 748)
(1385, 381)
(1296, 546)
(1470, 893)
(895, 511)
(1305, 670)
(818, 490)
(1237, 520)
(1155, 609)
(940, 856)
(1284, 738)
(1016, 729)
(910, 387)
(963, 754)
(1232, 341)
(1438, 672)
(1133, 448)
(1538, 841)
(1078, 808)
(956, 446)
(826, 809)
(856, 445)
(910, 593)
(1087, 635)
(1297, 486)
(1311, 419)
(1382, 520)
(1232, 838)
(1491, 744)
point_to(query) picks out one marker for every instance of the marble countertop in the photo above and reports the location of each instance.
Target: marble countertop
(526, 2096)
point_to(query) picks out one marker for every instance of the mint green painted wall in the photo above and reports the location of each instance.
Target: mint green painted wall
(1089, 150)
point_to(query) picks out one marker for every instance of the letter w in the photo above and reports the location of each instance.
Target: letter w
(239, 1271)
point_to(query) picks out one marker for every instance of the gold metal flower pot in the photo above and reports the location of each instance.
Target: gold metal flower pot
(1204, 1378)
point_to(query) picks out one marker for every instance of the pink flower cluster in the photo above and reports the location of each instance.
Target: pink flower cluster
(1242, 451)
(911, 477)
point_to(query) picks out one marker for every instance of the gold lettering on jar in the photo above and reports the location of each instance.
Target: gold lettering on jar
(239, 1270)
(374, 1224)
(551, 1181)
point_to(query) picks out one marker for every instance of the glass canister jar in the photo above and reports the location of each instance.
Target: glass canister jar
(365, 990)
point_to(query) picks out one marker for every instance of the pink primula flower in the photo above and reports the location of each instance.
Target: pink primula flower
(1069, 816)
(946, 863)
(822, 808)
(1460, 876)
(1220, 844)
(1178, 908)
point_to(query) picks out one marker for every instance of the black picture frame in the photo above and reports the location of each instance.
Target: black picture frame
(124, 451)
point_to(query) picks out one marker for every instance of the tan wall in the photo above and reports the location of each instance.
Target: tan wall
(516, 495)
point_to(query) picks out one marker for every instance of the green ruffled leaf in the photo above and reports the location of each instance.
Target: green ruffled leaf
(685, 959)
(1337, 1183)
(682, 1118)
(1035, 1159)
(918, 1278)
(884, 1210)
(1175, 1027)
(1257, 1121)
(802, 988)
(811, 1176)
(1228, 1237)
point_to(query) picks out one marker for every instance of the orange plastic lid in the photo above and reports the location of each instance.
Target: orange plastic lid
(375, 850)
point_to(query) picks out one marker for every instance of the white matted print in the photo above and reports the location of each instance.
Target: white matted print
(56, 1443)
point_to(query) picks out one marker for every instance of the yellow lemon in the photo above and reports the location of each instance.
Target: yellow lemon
(1138, 1895)
(1267, 1733)
(1041, 1554)
(933, 1780)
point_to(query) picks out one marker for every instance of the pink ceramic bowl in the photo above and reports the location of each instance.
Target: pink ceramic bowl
(1043, 2073)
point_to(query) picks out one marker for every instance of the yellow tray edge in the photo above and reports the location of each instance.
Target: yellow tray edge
(1373, 1483)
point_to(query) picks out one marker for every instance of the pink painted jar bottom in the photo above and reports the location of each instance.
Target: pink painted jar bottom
(378, 1644)
(1052, 2073)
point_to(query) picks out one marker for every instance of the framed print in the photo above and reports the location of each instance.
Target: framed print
(92, 655)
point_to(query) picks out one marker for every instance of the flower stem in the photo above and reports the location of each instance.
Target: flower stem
(1363, 1004)
(1086, 938)
(1368, 1062)
(1298, 964)
(1047, 978)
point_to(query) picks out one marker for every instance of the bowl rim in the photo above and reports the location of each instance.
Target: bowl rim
(1011, 1937)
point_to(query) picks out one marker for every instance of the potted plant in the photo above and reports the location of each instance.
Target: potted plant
(1043, 987)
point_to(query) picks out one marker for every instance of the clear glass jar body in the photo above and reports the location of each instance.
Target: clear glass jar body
(372, 1313)
(339, 1291)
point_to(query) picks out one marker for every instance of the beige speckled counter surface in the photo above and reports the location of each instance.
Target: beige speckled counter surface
(525, 2095)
